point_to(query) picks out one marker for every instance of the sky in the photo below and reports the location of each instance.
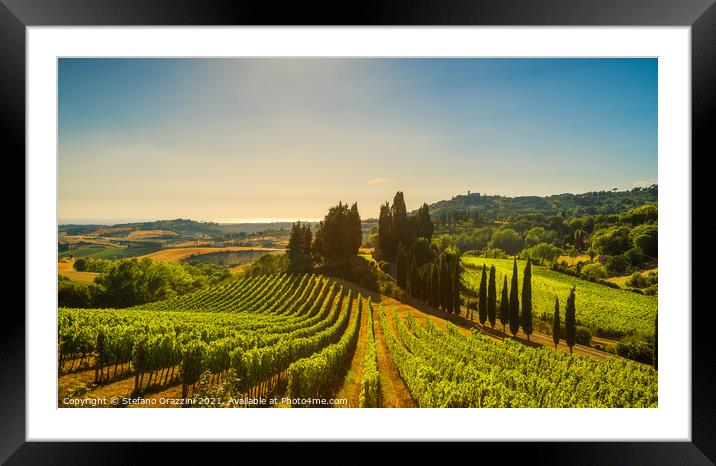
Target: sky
(260, 139)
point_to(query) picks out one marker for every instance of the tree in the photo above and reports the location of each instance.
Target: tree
(414, 279)
(504, 306)
(578, 239)
(526, 317)
(385, 233)
(338, 236)
(555, 323)
(514, 302)
(400, 221)
(299, 249)
(400, 267)
(482, 309)
(435, 280)
(445, 284)
(355, 232)
(456, 285)
(508, 240)
(491, 298)
(570, 321)
(425, 223)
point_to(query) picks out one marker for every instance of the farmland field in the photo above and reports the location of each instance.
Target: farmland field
(65, 268)
(612, 312)
(176, 254)
(294, 337)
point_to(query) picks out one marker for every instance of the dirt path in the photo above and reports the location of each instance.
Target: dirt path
(350, 389)
(393, 392)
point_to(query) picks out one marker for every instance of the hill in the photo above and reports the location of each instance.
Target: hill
(572, 205)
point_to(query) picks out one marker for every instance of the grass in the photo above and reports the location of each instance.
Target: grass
(608, 311)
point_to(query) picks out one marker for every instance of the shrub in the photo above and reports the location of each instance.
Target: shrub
(652, 290)
(583, 336)
(495, 253)
(594, 271)
(638, 280)
(634, 256)
(617, 264)
(635, 349)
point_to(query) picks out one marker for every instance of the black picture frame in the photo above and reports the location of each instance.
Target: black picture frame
(700, 15)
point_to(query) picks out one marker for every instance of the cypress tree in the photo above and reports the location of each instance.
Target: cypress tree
(492, 298)
(400, 267)
(555, 323)
(456, 286)
(504, 306)
(385, 234)
(482, 306)
(414, 278)
(436, 284)
(570, 321)
(428, 280)
(445, 284)
(514, 302)
(526, 317)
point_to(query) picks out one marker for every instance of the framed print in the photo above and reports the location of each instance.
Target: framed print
(236, 208)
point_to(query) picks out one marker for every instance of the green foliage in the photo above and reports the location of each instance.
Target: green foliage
(570, 321)
(635, 349)
(634, 256)
(646, 238)
(556, 332)
(507, 240)
(492, 298)
(91, 265)
(339, 234)
(482, 294)
(542, 252)
(267, 264)
(647, 213)
(370, 380)
(449, 369)
(73, 294)
(612, 240)
(594, 271)
(298, 249)
(583, 336)
(617, 264)
(612, 312)
(422, 251)
(526, 315)
(639, 280)
(514, 301)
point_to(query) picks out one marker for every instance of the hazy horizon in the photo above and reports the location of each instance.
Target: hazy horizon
(235, 140)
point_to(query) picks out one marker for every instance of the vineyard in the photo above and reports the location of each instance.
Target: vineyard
(611, 312)
(294, 336)
(445, 369)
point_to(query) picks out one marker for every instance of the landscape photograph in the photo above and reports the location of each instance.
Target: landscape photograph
(305, 232)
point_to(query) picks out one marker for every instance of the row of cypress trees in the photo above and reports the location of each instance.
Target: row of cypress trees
(486, 305)
(436, 283)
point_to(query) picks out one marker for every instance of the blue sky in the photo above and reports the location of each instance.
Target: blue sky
(277, 138)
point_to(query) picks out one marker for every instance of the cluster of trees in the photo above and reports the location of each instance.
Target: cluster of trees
(129, 282)
(86, 264)
(476, 208)
(396, 228)
(337, 239)
(333, 249)
(621, 241)
(436, 283)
